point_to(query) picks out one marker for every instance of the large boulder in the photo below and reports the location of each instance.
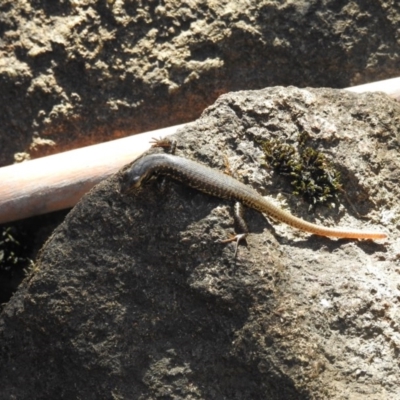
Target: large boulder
(134, 297)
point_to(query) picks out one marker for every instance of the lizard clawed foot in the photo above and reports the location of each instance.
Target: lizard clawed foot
(234, 238)
(165, 143)
(160, 142)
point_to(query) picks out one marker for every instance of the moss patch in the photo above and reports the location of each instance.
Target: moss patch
(309, 171)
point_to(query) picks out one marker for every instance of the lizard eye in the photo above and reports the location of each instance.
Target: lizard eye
(135, 181)
(129, 182)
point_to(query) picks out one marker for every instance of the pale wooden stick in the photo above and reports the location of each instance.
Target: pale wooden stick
(56, 182)
(389, 86)
(52, 183)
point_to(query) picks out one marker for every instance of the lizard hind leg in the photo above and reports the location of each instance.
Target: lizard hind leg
(238, 212)
(239, 219)
(235, 238)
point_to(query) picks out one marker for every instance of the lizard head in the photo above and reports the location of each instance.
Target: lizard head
(140, 172)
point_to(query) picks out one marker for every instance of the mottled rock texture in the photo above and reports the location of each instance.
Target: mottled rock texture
(133, 297)
(78, 72)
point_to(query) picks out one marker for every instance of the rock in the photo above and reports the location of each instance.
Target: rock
(133, 296)
(81, 72)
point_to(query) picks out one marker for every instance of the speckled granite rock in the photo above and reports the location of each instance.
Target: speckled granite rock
(77, 72)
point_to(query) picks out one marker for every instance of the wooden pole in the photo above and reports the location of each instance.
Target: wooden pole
(56, 182)
(389, 86)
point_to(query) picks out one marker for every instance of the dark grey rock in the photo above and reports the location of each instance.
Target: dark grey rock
(133, 297)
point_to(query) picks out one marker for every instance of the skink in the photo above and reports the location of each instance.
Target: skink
(218, 184)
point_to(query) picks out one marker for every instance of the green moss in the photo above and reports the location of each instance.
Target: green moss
(10, 249)
(13, 260)
(310, 173)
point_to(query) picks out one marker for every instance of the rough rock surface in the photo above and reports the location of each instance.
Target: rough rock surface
(83, 71)
(133, 297)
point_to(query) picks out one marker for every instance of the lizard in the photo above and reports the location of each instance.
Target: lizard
(221, 185)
